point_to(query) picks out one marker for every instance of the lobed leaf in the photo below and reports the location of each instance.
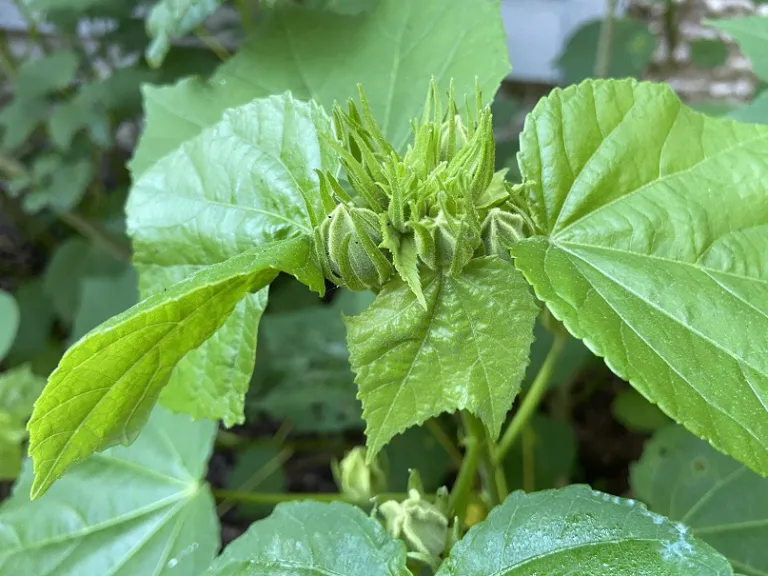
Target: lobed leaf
(128, 511)
(313, 538)
(576, 530)
(105, 386)
(393, 51)
(248, 180)
(653, 230)
(724, 503)
(466, 351)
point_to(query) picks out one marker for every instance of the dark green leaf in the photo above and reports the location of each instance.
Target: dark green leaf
(19, 119)
(636, 413)
(652, 226)
(126, 512)
(104, 297)
(467, 351)
(708, 53)
(393, 51)
(418, 449)
(313, 538)
(19, 388)
(104, 388)
(36, 319)
(46, 74)
(631, 51)
(246, 181)
(579, 531)
(723, 502)
(9, 322)
(253, 472)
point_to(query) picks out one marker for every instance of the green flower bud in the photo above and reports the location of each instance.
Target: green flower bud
(348, 247)
(356, 479)
(500, 231)
(419, 523)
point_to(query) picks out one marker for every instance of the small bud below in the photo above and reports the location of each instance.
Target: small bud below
(418, 522)
(356, 479)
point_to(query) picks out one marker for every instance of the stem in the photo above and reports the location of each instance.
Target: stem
(462, 488)
(603, 60)
(529, 462)
(245, 16)
(212, 44)
(531, 400)
(444, 440)
(273, 498)
(269, 468)
(94, 233)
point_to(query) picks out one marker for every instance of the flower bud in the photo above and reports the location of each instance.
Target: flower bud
(349, 250)
(419, 523)
(356, 479)
(500, 231)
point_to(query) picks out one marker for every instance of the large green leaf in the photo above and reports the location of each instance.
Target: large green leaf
(751, 33)
(313, 538)
(653, 233)
(239, 184)
(579, 531)
(128, 511)
(104, 388)
(393, 51)
(724, 503)
(467, 350)
(171, 19)
(9, 322)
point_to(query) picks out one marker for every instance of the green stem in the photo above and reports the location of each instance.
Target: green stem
(531, 401)
(272, 498)
(269, 468)
(605, 43)
(445, 441)
(462, 488)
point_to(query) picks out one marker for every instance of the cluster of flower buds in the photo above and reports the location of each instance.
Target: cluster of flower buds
(435, 207)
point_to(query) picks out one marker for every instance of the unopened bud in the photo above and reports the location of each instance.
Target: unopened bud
(418, 522)
(356, 479)
(501, 230)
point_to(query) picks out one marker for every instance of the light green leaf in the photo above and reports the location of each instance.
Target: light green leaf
(9, 322)
(751, 34)
(45, 74)
(104, 297)
(652, 250)
(631, 50)
(104, 388)
(579, 531)
(241, 183)
(393, 51)
(129, 511)
(724, 503)
(171, 19)
(303, 369)
(313, 538)
(636, 413)
(63, 186)
(467, 351)
(19, 388)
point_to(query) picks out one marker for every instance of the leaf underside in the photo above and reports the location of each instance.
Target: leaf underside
(653, 233)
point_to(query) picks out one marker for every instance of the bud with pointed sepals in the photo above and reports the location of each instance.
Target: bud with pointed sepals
(356, 479)
(419, 523)
(501, 230)
(348, 248)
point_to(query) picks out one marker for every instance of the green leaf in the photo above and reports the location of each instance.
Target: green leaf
(551, 459)
(393, 51)
(313, 538)
(636, 413)
(9, 322)
(246, 181)
(45, 75)
(724, 503)
(252, 473)
(579, 531)
(129, 511)
(36, 320)
(303, 368)
(652, 249)
(171, 19)
(19, 119)
(755, 112)
(467, 351)
(708, 53)
(751, 34)
(18, 390)
(104, 297)
(104, 388)
(631, 50)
